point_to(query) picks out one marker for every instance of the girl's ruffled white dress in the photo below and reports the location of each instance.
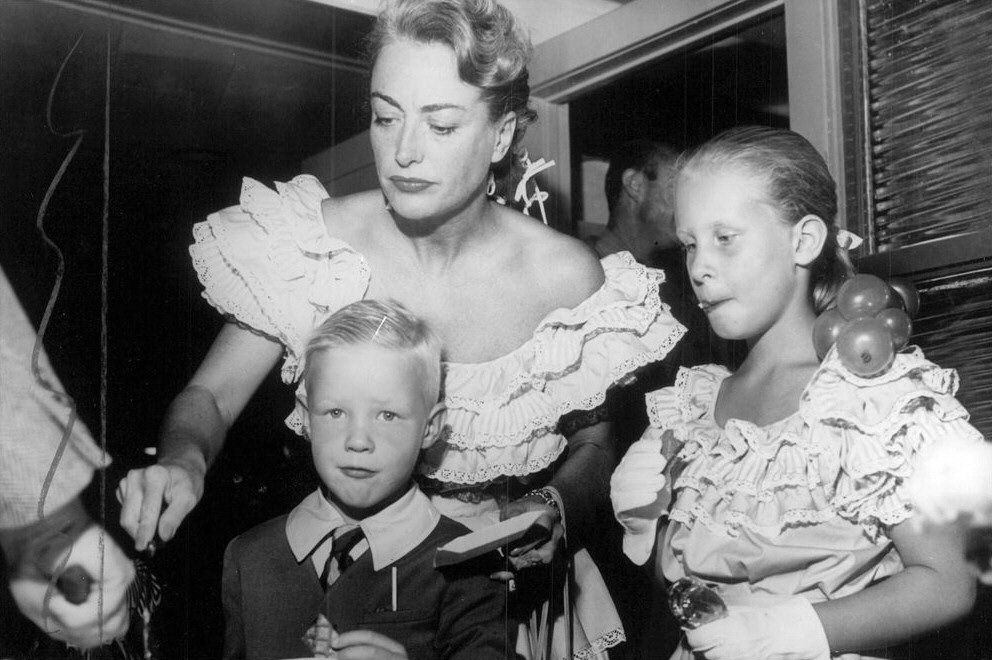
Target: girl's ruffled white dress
(801, 506)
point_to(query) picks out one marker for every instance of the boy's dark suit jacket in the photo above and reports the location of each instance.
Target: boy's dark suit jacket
(453, 613)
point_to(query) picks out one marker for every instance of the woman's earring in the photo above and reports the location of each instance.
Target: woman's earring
(491, 188)
(385, 200)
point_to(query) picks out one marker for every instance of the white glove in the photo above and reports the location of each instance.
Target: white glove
(639, 495)
(789, 630)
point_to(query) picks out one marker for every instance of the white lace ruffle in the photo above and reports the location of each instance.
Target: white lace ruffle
(598, 647)
(502, 415)
(271, 265)
(846, 452)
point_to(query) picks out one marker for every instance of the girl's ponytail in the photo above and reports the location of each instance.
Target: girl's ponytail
(830, 269)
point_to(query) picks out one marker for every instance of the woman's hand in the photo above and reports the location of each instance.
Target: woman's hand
(103, 615)
(539, 552)
(142, 493)
(368, 645)
(193, 434)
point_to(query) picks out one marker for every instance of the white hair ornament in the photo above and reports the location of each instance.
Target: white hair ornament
(376, 334)
(848, 240)
(531, 169)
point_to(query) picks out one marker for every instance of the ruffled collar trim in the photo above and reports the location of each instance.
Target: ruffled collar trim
(273, 266)
(845, 452)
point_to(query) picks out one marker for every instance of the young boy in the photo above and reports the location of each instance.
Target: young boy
(372, 383)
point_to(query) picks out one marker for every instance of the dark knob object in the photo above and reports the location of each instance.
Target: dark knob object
(74, 583)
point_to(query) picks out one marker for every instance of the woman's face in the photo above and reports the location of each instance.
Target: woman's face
(431, 133)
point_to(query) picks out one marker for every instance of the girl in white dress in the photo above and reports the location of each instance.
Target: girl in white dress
(787, 478)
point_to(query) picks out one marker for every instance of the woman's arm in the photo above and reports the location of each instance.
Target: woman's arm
(580, 486)
(583, 480)
(193, 434)
(936, 587)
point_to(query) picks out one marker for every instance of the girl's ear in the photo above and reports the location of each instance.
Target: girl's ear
(809, 235)
(504, 136)
(433, 428)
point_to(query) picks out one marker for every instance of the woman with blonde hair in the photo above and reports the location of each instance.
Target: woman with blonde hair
(535, 329)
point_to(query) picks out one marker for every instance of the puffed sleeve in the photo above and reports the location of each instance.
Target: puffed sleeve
(270, 264)
(881, 425)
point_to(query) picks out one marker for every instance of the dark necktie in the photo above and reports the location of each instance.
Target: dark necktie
(341, 553)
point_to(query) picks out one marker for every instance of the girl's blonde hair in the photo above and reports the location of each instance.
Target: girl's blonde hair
(381, 323)
(797, 181)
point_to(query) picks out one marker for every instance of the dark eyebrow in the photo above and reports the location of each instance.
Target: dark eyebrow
(387, 99)
(433, 107)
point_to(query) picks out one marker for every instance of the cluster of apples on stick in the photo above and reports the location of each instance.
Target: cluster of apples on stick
(871, 322)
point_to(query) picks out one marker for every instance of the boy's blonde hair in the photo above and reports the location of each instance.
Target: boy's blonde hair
(383, 323)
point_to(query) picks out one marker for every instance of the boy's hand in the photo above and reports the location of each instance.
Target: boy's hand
(368, 645)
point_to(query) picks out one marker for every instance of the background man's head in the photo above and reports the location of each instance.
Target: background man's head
(638, 192)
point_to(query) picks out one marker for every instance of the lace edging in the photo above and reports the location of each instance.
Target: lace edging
(549, 419)
(736, 520)
(679, 399)
(545, 358)
(599, 645)
(490, 473)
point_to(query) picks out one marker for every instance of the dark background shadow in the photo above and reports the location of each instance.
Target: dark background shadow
(189, 116)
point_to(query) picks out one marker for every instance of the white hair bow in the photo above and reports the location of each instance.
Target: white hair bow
(848, 240)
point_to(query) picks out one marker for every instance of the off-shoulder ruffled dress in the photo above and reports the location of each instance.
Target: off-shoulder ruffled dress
(270, 264)
(801, 506)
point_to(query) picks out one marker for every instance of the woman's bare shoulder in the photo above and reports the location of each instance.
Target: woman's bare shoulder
(347, 214)
(561, 264)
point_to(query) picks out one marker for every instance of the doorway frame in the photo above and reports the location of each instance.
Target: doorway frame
(643, 31)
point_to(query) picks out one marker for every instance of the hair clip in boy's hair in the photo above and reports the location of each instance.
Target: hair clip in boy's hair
(376, 333)
(848, 240)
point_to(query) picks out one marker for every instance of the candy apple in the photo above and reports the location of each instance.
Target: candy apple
(898, 324)
(865, 347)
(863, 295)
(907, 294)
(825, 330)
